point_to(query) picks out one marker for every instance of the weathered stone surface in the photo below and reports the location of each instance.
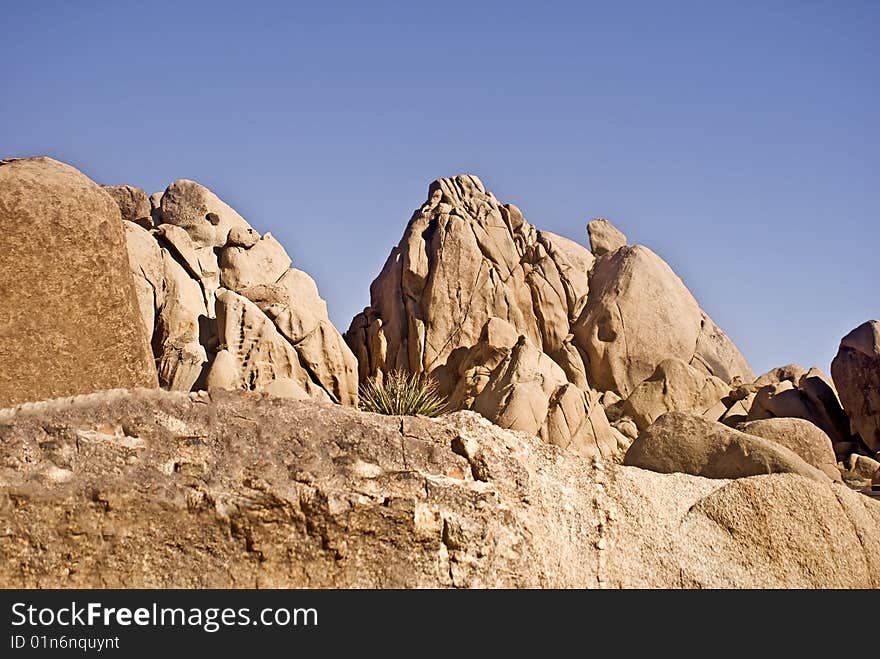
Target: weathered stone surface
(799, 394)
(856, 373)
(133, 204)
(70, 318)
(527, 391)
(190, 333)
(261, 353)
(864, 467)
(148, 272)
(639, 313)
(804, 438)
(262, 263)
(181, 357)
(167, 489)
(679, 442)
(604, 237)
(205, 217)
(466, 261)
(675, 387)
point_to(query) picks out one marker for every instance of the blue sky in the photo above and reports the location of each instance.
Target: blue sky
(739, 140)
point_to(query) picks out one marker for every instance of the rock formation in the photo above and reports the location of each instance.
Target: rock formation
(222, 304)
(856, 372)
(530, 328)
(69, 320)
(238, 489)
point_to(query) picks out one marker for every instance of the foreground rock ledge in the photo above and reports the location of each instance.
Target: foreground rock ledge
(167, 489)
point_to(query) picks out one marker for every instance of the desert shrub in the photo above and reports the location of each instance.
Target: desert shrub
(402, 393)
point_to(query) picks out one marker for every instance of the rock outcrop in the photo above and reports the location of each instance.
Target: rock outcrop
(70, 321)
(223, 305)
(679, 442)
(516, 323)
(240, 489)
(856, 373)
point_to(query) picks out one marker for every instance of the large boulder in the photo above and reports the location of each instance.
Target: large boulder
(639, 313)
(675, 387)
(679, 442)
(71, 321)
(138, 489)
(225, 309)
(856, 373)
(804, 438)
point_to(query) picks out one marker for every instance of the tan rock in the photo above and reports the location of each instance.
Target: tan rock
(133, 204)
(675, 387)
(856, 373)
(264, 263)
(71, 322)
(527, 391)
(800, 436)
(206, 218)
(863, 467)
(147, 271)
(261, 353)
(296, 494)
(181, 358)
(300, 315)
(639, 313)
(467, 265)
(224, 373)
(466, 258)
(604, 237)
(808, 396)
(679, 442)
(242, 237)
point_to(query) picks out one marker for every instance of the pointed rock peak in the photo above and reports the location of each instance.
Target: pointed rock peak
(604, 237)
(454, 189)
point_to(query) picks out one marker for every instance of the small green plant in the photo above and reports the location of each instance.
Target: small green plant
(402, 393)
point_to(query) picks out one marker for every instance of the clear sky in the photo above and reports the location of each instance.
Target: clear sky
(739, 140)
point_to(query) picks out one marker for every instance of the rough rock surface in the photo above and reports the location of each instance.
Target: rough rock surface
(133, 204)
(604, 237)
(679, 442)
(69, 322)
(237, 489)
(675, 386)
(639, 313)
(790, 391)
(208, 284)
(856, 373)
(804, 438)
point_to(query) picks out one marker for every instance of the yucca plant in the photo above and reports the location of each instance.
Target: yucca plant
(402, 393)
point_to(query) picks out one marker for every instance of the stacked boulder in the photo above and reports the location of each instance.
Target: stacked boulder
(222, 304)
(534, 331)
